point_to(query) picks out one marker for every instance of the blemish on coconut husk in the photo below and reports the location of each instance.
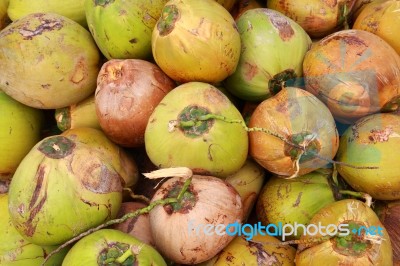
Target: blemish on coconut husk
(263, 258)
(39, 182)
(380, 135)
(107, 182)
(35, 206)
(46, 25)
(57, 147)
(298, 199)
(250, 71)
(349, 39)
(79, 73)
(169, 16)
(286, 31)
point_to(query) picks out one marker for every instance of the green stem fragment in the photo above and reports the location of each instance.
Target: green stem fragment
(360, 195)
(124, 256)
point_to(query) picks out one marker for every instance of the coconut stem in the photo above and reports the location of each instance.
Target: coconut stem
(360, 195)
(136, 197)
(124, 256)
(134, 214)
(302, 148)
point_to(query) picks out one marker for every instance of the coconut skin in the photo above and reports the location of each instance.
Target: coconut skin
(264, 250)
(14, 248)
(294, 200)
(134, 19)
(273, 49)
(72, 9)
(381, 18)
(48, 61)
(105, 246)
(298, 117)
(127, 93)
(371, 250)
(209, 200)
(318, 18)
(122, 162)
(371, 144)
(355, 73)
(204, 148)
(196, 41)
(63, 187)
(20, 127)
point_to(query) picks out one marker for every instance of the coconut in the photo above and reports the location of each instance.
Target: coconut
(127, 93)
(382, 18)
(367, 150)
(248, 182)
(63, 187)
(134, 19)
(355, 73)
(194, 230)
(14, 248)
(112, 247)
(20, 127)
(293, 133)
(72, 9)
(47, 61)
(196, 41)
(273, 49)
(352, 235)
(175, 136)
(318, 18)
(290, 201)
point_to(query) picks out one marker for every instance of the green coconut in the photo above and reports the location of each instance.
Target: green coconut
(72, 9)
(291, 201)
(371, 147)
(174, 137)
(273, 49)
(112, 247)
(61, 188)
(134, 19)
(196, 41)
(48, 61)
(14, 249)
(20, 127)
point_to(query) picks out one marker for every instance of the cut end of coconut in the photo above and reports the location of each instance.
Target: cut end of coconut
(170, 172)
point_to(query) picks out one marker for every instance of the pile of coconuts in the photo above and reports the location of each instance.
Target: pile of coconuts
(169, 132)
